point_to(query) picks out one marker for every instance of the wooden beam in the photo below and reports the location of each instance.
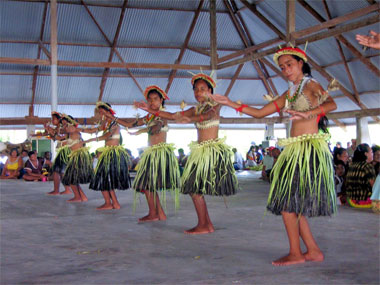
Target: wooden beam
(29, 61)
(343, 40)
(336, 21)
(44, 49)
(199, 50)
(350, 78)
(233, 80)
(249, 50)
(114, 43)
(173, 72)
(89, 121)
(290, 20)
(36, 68)
(213, 34)
(253, 9)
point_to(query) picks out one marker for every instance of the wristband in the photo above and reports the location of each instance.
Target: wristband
(157, 114)
(277, 108)
(322, 114)
(240, 109)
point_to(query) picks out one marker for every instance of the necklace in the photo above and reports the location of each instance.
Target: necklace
(294, 97)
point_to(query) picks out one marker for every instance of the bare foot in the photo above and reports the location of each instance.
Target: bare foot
(66, 192)
(104, 207)
(116, 206)
(198, 230)
(75, 200)
(148, 218)
(289, 260)
(53, 193)
(84, 199)
(316, 256)
(162, 216)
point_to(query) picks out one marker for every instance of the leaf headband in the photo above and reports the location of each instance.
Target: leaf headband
(157, 89)
(105, 106)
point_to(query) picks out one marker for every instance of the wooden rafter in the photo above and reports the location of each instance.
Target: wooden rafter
(213, 33)
(233, 79)
(343, 40)
(111, 44)
(246, 41)
(173, 72)
(114, 43)
(348, 71)
(290, 20)
(36, 68)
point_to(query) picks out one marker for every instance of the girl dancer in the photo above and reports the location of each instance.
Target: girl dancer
(112, 168)
(209, 169)
(79, 168)
(62, 156)
(303, 177)
(158, 168)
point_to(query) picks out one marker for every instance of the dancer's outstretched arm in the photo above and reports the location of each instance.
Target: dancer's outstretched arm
(270, 108)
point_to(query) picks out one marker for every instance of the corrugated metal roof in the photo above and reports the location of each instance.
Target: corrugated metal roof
(165, 27)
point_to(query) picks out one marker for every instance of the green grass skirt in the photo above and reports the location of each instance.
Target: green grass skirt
(209, 169)
(79, 168)
(158, 170)
(111, 171)
(61, 159)
(303, 178)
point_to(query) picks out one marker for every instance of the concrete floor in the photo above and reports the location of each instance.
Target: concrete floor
(45, 240)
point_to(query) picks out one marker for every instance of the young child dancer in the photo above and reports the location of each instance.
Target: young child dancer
(112, 168)
(62, 156)
(79, 168)
(209, 169)
(303, 176)
(158, 168)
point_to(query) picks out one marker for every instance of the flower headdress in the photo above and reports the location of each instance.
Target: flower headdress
(157, 89)
(105, 106)
(291, 51)
(69, 119)
(204, 77)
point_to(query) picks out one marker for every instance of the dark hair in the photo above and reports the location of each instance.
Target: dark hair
(375, 148)
(14, 149)
(158, 93)
(105, 108)
(31, 153)
(57, 116)
(359, 154)
(305, 66)
(340, 162)
(24, 150)
(208, 84)
(338, 151)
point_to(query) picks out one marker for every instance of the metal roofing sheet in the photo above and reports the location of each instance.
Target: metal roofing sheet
(15, 88)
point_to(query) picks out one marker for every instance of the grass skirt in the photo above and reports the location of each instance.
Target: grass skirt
(111, 171)
(158, 170)
(79, 168)
(302, 178)
(61, 159)
(209, 170)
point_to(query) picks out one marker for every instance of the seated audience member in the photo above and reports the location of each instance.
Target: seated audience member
(360, 178)
(251, 159)
(339, 177)
(375, 198)
(182, 158)
(12, 166)
(342, 155)
(47, 163)
(376, 158)
(258, 155)
(33, 168)
(267, 164)
(24, 156)
(238, 160)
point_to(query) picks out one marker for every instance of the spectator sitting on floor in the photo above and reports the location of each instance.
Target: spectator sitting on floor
(339, 177)
(238, 160)
(33, 168)
(267, 164)
(376, 158)
(47, 163)
(182, 158)
(360, 178)
(258, 155)
(12, 166)
(251, 158)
